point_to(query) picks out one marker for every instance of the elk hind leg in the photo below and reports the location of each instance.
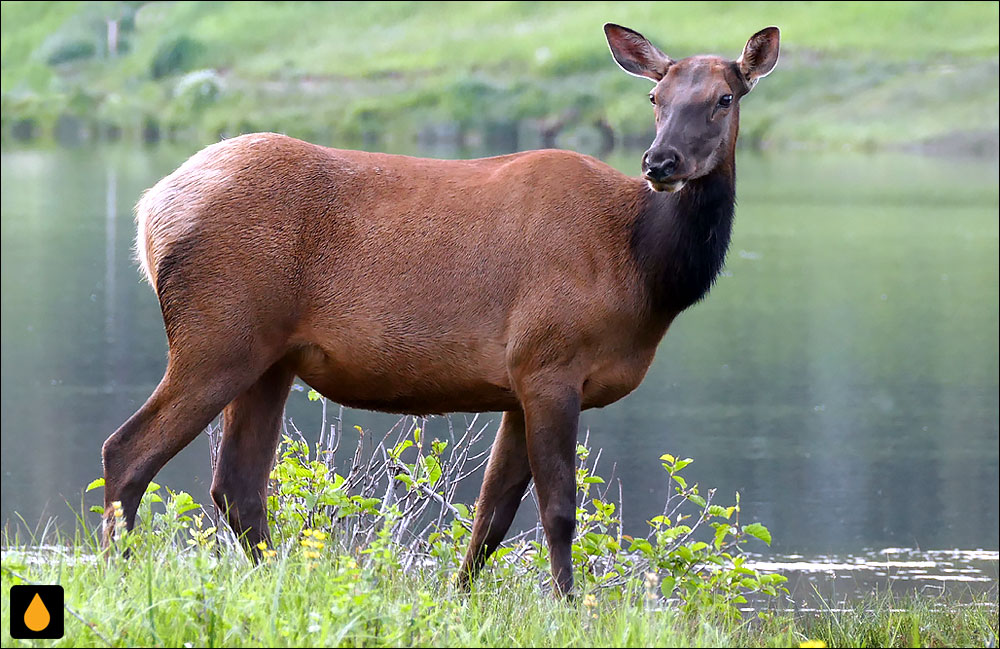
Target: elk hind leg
(507, 477)
(251, 427)
(194, 389)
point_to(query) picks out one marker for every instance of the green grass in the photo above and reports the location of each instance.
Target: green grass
(168, 595)
(853, 74)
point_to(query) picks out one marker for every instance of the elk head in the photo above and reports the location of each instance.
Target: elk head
(696, 102)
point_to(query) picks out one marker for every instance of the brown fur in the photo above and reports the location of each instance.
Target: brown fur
(516, 283)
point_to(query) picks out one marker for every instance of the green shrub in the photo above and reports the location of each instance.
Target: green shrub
(197, 90)
(71, 50)
(396, 510)
(174, 56)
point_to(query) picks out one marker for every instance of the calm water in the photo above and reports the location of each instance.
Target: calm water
(842, 375)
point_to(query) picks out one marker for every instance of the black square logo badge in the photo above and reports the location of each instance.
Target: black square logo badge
(36, 612)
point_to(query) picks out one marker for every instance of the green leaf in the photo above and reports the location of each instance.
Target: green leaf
(402, 446)
(95, 484)
(433, 469)
(642, 545)
(594, 479)
(673, 532)
(183, 502)
(500, 553)
(313, 395)
(758, 531)
(720, 536)
(97, 509)
(696, 499)
(680, 464)
(667, 457)
(667, 586)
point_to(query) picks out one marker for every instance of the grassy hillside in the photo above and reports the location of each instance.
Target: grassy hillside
(851, 74)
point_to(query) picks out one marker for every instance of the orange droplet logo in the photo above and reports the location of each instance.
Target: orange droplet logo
(37, 616)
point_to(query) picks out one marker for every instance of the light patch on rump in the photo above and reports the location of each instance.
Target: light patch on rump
(141, 246)
(162, 220)
(170, 210)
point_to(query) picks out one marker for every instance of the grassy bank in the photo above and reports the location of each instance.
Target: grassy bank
(172, 597)
(861, 75)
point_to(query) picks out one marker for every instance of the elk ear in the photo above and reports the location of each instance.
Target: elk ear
(635, 54)
(759, 56)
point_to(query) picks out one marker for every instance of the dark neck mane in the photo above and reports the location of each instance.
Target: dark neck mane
(679, 240)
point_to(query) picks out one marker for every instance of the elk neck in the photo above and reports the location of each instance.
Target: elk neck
(679, 241)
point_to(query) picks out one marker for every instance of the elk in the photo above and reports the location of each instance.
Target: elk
(536, 284)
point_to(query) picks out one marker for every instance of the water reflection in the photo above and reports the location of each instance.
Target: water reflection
(822, 583)
(842, 375)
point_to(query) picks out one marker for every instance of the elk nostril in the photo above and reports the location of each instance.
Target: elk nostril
(660, 164)
(671, 160)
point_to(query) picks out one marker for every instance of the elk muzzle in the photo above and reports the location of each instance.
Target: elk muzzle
(662, 168)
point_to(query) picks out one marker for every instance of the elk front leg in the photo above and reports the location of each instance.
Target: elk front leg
(552, 413)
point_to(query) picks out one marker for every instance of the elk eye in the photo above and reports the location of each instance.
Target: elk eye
(652, 99)
(726, 100)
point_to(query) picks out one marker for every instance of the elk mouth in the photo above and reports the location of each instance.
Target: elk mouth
(670, 186)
